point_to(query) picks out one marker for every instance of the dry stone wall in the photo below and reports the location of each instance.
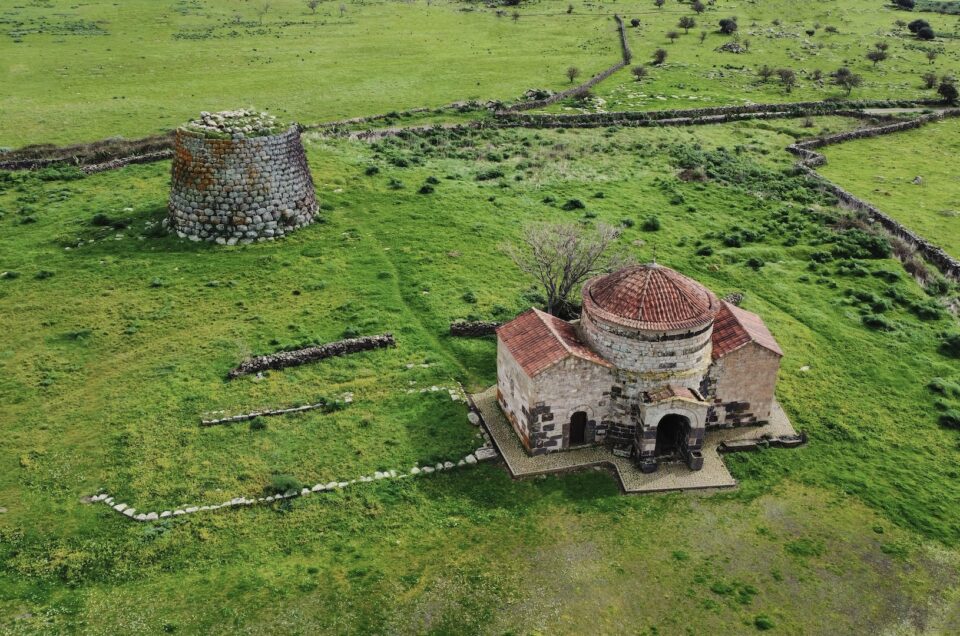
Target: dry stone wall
(240, 189)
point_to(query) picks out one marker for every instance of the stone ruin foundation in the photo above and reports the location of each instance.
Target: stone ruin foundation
(239, 177)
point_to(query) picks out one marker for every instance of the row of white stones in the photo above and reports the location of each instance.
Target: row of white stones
(481, 454)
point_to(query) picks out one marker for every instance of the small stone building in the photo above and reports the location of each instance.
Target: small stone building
(654, 361)
(239, 176)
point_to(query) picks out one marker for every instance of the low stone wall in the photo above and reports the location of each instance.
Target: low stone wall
(311, 354)
(244, 417)
(810, 159)
(240, 190)
(624, 44)
(476, 329)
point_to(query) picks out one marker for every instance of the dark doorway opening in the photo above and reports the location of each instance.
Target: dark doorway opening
(670, 433)
(578, 428)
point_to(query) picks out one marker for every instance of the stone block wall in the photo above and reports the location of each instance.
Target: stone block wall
(568, 387)
(240, 190)
(740, 387)
(671, 353)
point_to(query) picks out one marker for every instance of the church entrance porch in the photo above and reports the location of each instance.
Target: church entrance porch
(672, 432)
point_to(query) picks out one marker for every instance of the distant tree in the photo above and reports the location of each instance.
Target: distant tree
(659, 56)
(561, 256)
(569, 8)
(312, 5)
(659, 3)
(876, 56)
(746, 45)
(817, 76)
(926, 33)
(788, 78)
(703, 36)
(881, 46)
(932, 56)
(948, 90)
(918, 24)
(262, 10)
(929, 80)
(672, 36)
(639, 72)
(698, 6)
(686, 23)
(515, 15)
(906, 5)
(572, 73)
(846, 79)
(765, 73)
(343, 9)
(728, 26)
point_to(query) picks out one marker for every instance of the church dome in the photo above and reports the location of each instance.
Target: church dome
(650, 298)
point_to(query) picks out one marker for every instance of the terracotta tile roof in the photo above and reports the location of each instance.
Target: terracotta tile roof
(735, 327)
(538, 341)
(650, 298)
(671, 391)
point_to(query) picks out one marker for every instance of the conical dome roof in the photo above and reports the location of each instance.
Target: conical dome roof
(650, 298)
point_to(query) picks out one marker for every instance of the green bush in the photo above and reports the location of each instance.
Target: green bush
(878, 322)
(258, 424)
(371, 170)
(950, 345)
(651, 224)
(573, 204)
(950, 419)
(755, 263)
(280, 484)
(763, 622)
(706, 250)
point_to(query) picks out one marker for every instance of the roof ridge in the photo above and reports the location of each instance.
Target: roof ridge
(553, 330)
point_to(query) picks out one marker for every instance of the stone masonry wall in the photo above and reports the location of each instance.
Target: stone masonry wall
(568, 387)
(240, 190)
(514, 388)
(740, 387)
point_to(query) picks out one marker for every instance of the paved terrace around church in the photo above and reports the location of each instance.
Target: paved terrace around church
(672, 476)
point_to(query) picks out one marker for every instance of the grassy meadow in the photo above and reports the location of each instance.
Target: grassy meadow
(116, 341)
(89, 71)
(115, 338)
(886, 178)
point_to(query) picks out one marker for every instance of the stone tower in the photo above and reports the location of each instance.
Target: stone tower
(239, 176)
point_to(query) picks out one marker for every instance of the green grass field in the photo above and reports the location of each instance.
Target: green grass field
(99, 69)
(109, 361)
(115, 339)
(882, 170)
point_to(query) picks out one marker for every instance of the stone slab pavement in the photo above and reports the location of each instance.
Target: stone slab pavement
(672, 476)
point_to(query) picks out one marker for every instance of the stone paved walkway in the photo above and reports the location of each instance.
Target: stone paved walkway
(674, 476)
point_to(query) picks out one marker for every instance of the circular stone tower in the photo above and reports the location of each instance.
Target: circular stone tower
(651, 321)
(239, 176)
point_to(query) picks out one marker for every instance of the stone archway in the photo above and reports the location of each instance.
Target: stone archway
(671, 435)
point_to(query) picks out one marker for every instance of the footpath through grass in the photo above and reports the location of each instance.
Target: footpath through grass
(111, 349)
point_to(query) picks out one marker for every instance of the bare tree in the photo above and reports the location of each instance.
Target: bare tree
(686, 23)
(765, 73)
(639, 72)
(846, 79)
(561, 256)
(877, 56)
(312, 5)
(788, 78)
(572, 73)
(659, 56)
(672, 36)
(932, 56)
(703, 36)
(262, 10)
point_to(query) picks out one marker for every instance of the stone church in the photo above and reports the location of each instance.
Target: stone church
(655, 360)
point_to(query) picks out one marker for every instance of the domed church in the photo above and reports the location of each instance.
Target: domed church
(655, 360)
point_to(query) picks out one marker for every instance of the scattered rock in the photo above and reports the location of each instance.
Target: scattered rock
(473, 418)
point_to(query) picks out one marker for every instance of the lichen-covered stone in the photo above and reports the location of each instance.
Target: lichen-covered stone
(239, 189)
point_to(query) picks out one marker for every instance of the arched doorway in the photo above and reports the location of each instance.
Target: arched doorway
(671, 432)
(578, 428)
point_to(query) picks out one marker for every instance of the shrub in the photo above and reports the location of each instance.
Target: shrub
(489, 175)
(100, 220)
(627, 222)
(43, 274)
(469, 297)
(950, 418)
(944, 387)
(878, 322)
(426, 188)
(926, 33)
(280, 484)
(907, 5)
(371, 170)
(755, 263)
(651, 224)
(258, 424)
(395, 184)
(573, 204)
(950, 345)
(706, 250)
(916, 25)
(432, 180)
(763, 622)
(728, 26)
